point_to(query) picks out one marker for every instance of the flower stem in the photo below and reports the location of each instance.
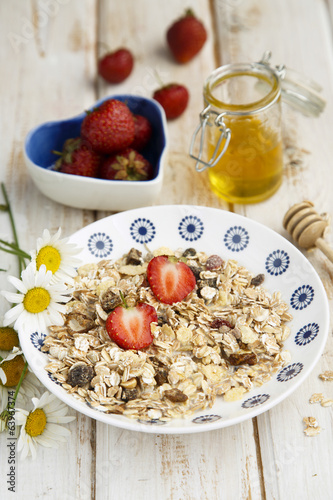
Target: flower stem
(21, 262)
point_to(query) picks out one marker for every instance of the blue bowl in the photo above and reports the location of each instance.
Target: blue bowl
(93, 193)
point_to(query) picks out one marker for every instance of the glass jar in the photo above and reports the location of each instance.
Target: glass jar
(241, 128)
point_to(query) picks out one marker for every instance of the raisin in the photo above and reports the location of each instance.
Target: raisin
(134, 257)
(80, 375)
(161, 376)
(257, 280)
(110, 300)
(218, 322)
(196, 270)
(214, 262)
(189, 252)
(247, 358)
(175, 395)
(129, 394)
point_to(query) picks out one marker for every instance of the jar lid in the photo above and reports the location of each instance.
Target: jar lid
(296, 90)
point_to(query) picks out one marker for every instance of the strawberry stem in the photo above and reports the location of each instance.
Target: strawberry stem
(123, 299)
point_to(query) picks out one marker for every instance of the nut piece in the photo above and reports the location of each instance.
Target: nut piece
(80, 374)
(175, 395)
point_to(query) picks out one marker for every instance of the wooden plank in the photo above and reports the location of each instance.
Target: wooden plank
(48, 76)
(249, 27)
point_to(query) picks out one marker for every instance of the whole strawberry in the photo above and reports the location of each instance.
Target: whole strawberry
(142, 132)
(173, 98)
(108, 128)
(116, 66)
(77, 158)
(127, 165)
(186, 37)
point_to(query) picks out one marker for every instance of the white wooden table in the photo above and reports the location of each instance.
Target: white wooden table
(48, 51)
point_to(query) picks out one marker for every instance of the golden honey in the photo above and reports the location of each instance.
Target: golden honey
(243, 106)
(251, 168)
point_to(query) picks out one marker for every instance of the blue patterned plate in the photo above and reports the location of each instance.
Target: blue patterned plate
(214, 231)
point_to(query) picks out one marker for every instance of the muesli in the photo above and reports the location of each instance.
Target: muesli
(223, 339)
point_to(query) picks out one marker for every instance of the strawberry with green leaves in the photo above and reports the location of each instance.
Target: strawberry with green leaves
(77, 158)
(130, 327)
(127, 165)
(171, 280)
(108, 128)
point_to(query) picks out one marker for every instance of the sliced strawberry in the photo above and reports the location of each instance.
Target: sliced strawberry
(170, 280)
(129, 327)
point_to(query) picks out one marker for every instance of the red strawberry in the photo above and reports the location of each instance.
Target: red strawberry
(116, 66)
(170, 280)
(108, 128)
(129, 327)
(173, 98)
(127, 165)
(77, 158)
(186, 37)
(142, 132)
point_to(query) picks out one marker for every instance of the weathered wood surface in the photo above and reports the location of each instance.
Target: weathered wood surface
(48, 52)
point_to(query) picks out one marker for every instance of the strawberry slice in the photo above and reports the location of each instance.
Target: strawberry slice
(129, 327)
(170, 280)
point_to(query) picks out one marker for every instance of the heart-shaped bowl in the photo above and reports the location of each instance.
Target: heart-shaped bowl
(93, 193)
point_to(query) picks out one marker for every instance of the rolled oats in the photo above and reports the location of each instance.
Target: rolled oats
(223, 339)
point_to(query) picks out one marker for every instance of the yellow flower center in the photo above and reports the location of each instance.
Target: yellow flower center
(8, 338)
(13, 370)
(36, 422)
(50, 257)
(36, 300)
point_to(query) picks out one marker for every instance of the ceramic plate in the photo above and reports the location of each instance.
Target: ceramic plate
(231, 236)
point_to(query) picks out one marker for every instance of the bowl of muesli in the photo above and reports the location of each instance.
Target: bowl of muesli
(246, 336)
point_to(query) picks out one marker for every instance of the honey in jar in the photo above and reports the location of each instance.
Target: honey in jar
(241, 132)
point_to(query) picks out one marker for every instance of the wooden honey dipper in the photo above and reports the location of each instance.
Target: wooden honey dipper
(307, 227)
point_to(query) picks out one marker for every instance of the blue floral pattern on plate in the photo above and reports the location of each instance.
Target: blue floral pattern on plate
(142, 230)
(37, 339)
(307, 334)
(205, 419)
(277, 262)
(100, 245)
(191, 228)
(302, 297)
(255, 401)
(290, 372)
(236, 238)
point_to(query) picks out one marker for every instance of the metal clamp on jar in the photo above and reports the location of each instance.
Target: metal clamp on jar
(241, 127)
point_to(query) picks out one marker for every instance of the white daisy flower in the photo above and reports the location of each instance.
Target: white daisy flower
(57, 255)
(39, 302)
(41, 425)
(3, 405)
